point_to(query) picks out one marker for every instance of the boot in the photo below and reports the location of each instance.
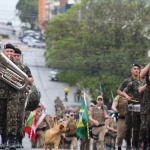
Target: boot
(3, 144)
(119, 148)
(128, 145)
(12, 142)
(19, 141)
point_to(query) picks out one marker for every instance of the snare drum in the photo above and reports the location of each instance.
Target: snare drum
(135, 107)
(33, 99)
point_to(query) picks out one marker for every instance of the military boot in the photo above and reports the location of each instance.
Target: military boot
(3, 144)
(12, 142)
(128, 145)
(19, 141)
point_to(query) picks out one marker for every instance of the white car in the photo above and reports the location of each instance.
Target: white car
(40, 44)
(26, 39)
(53, 75)
(32, 42)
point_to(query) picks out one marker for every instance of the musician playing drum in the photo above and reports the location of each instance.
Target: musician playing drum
(8, 105)
(129, 90)
(22, 98)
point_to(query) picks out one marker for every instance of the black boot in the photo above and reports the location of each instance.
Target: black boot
(19, 141)
(3, 142)
(128, 145)
(12, 142)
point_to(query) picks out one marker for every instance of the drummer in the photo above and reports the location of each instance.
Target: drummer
(129, 90)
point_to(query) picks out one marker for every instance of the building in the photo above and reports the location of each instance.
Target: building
(49, 8)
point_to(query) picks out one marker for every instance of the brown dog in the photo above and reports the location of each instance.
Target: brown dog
(52, 136)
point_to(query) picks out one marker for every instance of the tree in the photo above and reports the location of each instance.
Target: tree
(27, 11)
(99, 41)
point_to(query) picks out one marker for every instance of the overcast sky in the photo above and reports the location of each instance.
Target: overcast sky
(7, 12)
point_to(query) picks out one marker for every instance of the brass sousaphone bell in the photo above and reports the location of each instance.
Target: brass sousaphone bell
(12, 74)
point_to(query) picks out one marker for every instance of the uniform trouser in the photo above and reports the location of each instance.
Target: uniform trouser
(99, 144)
(107, 138)
(143, 127)
(132, 121)
(21, 115)
(39, 143)
(85, 143)
(121, 130)
(8, 116)
(73, 142)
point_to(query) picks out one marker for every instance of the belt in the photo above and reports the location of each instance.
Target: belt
(134, 107)
(100, 125)
(121, 117)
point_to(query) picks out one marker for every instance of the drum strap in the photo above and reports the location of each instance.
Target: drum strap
(40, 121)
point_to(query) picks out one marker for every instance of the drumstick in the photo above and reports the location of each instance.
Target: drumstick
(131, 100)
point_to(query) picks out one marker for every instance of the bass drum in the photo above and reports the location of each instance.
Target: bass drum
(33, 98)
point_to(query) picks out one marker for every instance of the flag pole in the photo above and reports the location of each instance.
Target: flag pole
(87, 124)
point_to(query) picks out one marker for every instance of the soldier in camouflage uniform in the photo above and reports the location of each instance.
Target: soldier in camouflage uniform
(8, 106)
(129, 90)
(22, 99)
(119, 106)
(145, 111)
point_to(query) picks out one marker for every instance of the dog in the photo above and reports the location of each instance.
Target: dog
(52, 136)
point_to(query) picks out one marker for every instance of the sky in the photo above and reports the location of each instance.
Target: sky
(7, 12)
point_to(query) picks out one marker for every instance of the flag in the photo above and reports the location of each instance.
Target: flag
(112, 95)
(101, 90)
(82, 126)
(30, 126)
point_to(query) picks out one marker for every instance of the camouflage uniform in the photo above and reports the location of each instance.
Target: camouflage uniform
(98, 131)
(8, 106)
(132, 119)
(121, 105)
(21, 108)
(145, 112)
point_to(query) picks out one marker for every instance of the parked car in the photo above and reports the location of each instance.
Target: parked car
(53, 75)
(40, 44)
(32, 42)
(26, 39)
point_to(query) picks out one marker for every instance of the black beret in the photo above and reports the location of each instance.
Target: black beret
(9, 46)
(136, 65)
(17, 50)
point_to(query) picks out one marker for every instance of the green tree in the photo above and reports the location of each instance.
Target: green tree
(98, 41)
(27, 11)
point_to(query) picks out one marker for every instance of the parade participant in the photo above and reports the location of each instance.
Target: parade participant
(85, 142)
(97, 116)
(129, 90)
(112, 130)
(42, 124)
(66, 90)
(70, 135)
(22, 99)
(119, 106)
(146, 107)
(9, 107)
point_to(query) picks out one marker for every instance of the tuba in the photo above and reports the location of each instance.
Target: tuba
(12, 74)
